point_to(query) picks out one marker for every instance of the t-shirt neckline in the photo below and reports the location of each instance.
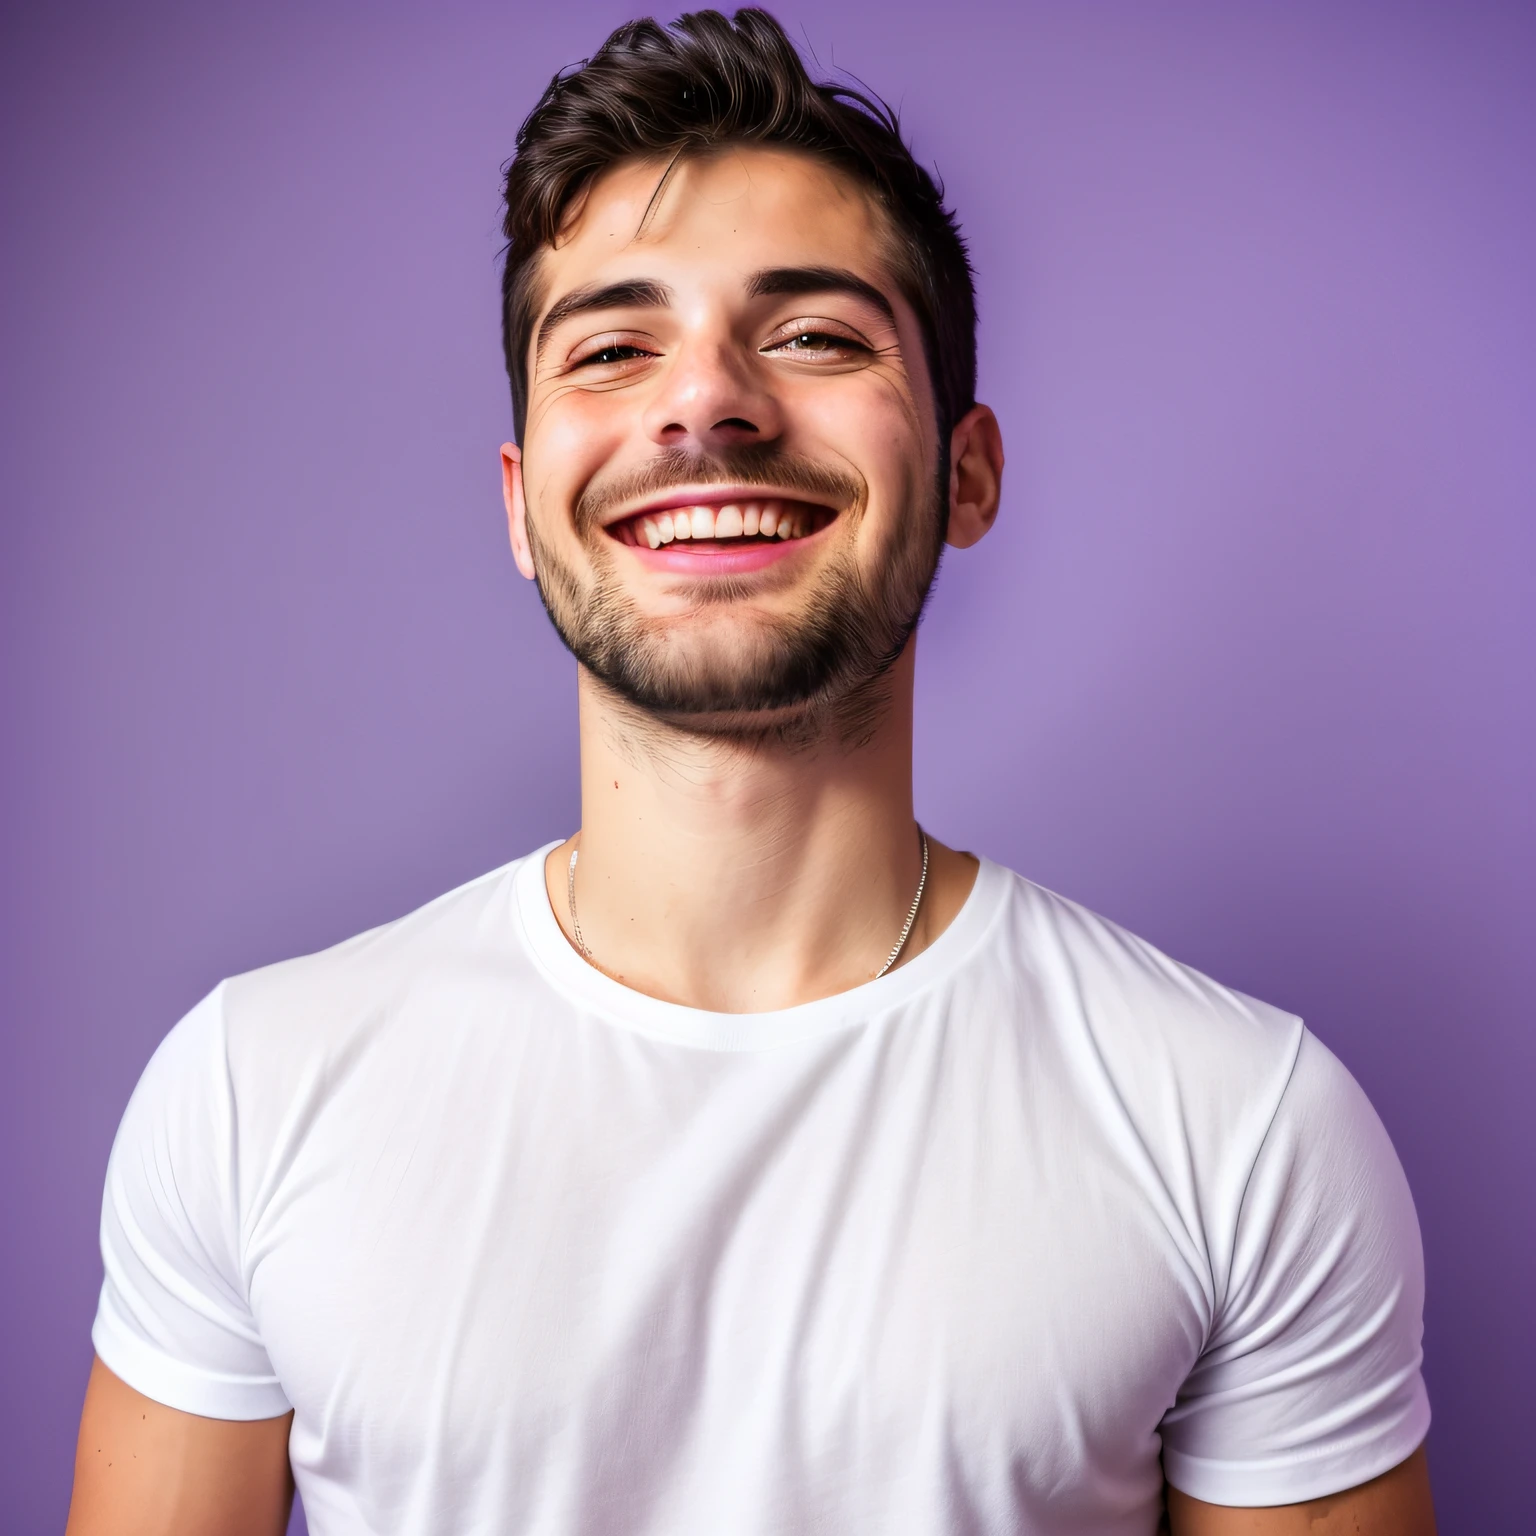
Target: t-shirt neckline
(705, 1030)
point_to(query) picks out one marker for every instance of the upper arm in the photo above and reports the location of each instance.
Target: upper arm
(1309, 1381)
(185, 1427)
(141, 1467)
(1395, 1504)
(175, 1318)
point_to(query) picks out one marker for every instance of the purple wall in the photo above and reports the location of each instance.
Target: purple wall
(1245, 666)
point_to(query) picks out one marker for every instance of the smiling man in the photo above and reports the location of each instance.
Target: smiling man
(750, 1161)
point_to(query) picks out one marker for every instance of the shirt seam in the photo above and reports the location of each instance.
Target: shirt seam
(1219, 1312)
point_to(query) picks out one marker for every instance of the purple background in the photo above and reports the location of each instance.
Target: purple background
(1245, 665)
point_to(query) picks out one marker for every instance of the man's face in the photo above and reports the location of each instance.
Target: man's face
(729, 476)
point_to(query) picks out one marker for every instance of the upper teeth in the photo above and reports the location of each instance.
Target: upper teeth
(734, 520)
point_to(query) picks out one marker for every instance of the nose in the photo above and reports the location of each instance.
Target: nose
(712, 397)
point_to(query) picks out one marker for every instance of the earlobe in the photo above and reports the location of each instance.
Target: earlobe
(517, 507)
(975, 476)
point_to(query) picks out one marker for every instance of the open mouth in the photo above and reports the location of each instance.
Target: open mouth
(728, 525)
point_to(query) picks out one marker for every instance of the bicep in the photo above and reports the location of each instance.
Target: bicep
(1395, 1504)
(1309, 1379)
(141, 1467)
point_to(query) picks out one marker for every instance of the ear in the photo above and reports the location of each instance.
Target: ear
(975, 475)
(517, 507)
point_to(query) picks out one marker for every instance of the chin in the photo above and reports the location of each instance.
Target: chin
(751, 685)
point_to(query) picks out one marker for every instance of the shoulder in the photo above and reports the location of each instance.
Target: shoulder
(304, 1013)
(1250, 1137)
(1176, 1077)
(1144, 1016)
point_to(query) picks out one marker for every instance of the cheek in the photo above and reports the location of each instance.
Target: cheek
(873, 406)
(568, 441)
(581, 425)
(872, 426)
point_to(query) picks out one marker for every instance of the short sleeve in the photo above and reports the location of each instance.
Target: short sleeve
(1310, 1382)
(174, 1321)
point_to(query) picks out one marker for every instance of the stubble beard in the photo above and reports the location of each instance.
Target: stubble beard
(795, 679)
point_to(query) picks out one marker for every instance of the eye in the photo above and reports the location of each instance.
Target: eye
(813, 343)
(613, 352)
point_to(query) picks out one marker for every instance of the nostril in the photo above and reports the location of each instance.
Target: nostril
(737, 422)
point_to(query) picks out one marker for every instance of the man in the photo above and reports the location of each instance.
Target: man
(749, 1161)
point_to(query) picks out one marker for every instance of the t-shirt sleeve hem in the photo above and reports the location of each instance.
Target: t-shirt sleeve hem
(178, 1385)
(1262, 1484)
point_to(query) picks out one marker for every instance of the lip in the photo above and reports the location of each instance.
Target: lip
(703, 555)
(711, 559)
(715, 495)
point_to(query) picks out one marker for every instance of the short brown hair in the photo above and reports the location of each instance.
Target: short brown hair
(709, 80)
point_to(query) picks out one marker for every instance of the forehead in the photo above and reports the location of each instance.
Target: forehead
(732, 212)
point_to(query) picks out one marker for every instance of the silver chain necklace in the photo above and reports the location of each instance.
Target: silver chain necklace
(890, 959)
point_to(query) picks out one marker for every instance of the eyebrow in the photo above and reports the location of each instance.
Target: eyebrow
(639, 293)
(647, 293)
(806, 280)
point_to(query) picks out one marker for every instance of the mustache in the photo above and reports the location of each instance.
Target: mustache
(738, 464)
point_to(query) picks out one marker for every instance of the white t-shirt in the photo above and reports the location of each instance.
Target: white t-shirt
(965, 1249)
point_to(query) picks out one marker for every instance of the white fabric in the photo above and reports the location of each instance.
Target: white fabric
(962, 1250)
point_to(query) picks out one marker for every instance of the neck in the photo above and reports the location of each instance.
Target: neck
(744, 878)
